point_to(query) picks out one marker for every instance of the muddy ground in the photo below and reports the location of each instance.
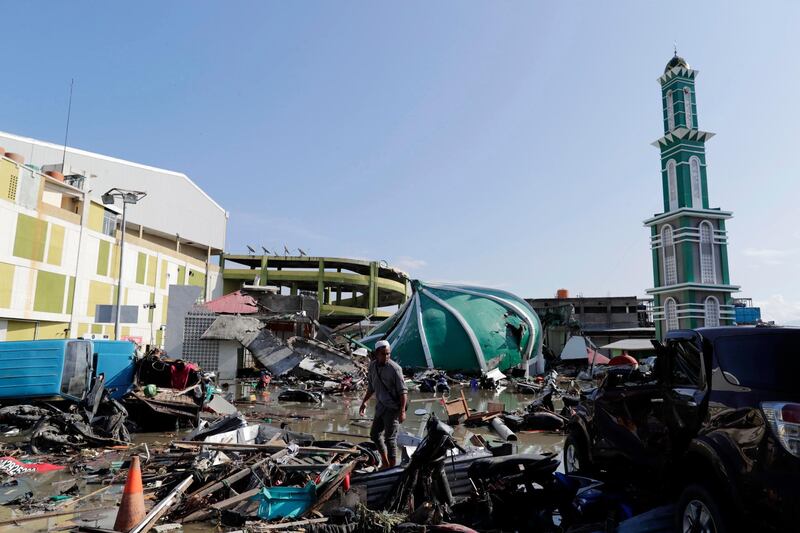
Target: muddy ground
(335, 418)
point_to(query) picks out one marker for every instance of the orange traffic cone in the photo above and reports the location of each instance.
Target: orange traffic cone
(131, 509)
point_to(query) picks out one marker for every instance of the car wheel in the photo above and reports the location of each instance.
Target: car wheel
(699, 511)
(576, 457)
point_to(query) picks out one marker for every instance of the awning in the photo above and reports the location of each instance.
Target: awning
(630, 345)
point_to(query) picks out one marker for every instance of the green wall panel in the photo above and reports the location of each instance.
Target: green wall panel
(30, 238)
(103, 252)
(141, 268)
(49, 296)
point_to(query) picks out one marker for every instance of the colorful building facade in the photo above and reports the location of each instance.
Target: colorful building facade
(688, 240)
(60, 246)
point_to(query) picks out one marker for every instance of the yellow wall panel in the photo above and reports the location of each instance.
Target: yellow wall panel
(52, 330)
(114, 271)
(9, 178)
(152, 263)
(96, 214)
(70, 296)
(6, 284)
(30, 237)
(99, 293)
(55, 249)
(163, 283)
(20, 331)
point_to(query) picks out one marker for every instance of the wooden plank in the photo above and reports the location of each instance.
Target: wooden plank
(303, 450)
(219, 506)
(258, 526)
(233, 478)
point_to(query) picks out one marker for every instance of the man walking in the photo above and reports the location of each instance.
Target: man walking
(385, 381)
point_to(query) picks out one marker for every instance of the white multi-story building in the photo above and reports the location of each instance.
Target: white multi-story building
(59, 244)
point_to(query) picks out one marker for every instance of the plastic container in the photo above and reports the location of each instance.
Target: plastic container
(285, 502)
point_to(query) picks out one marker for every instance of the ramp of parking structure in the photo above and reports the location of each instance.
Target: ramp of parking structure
(345, 289)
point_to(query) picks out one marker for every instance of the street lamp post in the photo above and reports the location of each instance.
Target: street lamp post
(110, 198)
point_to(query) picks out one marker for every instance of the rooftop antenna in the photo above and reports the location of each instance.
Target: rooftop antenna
(675, 47)
(66, 132)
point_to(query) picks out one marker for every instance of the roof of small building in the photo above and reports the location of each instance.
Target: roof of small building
(235, 303)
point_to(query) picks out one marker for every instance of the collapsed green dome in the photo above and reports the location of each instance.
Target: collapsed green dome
(461, 328)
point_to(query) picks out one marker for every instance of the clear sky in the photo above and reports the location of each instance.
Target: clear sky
(500, 143)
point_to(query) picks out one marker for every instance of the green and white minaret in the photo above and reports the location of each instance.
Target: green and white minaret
(688, 240)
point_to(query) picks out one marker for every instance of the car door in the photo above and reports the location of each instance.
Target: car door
(622, 406)
(685, 385)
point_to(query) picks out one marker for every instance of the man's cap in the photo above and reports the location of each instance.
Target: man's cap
(381, 344)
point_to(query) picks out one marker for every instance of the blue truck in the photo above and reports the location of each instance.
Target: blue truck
(64, 368)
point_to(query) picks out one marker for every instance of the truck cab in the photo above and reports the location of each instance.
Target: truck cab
(64, 368)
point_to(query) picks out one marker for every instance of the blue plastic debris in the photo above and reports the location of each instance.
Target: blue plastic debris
(285, 502)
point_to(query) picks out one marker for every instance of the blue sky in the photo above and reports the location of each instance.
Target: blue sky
(498, 143)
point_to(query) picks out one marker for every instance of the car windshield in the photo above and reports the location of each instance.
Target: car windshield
(769, 360)
(76, 368)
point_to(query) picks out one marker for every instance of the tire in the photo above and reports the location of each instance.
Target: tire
(576, 456)
(699, 510)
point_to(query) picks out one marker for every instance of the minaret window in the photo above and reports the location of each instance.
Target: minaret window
(697, 190)
(672, 184)
(670, 112)
(671, 314)
(712, 312)
(668, 255)
(687, 107)
(707, 273)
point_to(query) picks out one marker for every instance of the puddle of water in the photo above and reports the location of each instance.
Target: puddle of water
(337, 416)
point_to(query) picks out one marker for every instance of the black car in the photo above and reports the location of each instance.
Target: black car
(714, 424)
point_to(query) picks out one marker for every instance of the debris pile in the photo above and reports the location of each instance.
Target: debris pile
(298, 357)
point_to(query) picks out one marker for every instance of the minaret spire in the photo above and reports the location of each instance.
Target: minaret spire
(689, 239)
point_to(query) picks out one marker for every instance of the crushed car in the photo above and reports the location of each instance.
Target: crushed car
(714, 424)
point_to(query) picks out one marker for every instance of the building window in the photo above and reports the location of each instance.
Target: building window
(671, 314)
(109, 223)
(707, 274)
(687, 106)
(672, 184)
(712, 312)
(697, 190)
(668, 255)
(670, 112)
